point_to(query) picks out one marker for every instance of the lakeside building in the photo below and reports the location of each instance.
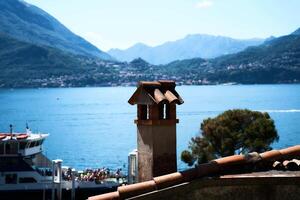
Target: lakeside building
(270, 175)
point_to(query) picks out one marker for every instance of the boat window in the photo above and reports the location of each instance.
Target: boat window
(32, 144)
(1, 148)
(27, 180)
(38, 142)
(11, 179)
(27, 145)
(23, 145)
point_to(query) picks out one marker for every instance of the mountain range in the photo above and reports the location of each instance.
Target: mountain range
(296, 32)
(38, 51)
(274, 61)
(192, 46)
(29, 23)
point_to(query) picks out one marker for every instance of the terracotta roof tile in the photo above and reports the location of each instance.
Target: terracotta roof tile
(278, 165)
(189, 174)
(290, 165)
(231, 160)
(107, 196)
(167, 83)
(168, 180)
(159, 96)
(271, 155)
(296, 161)
(136, 189)
(149, 83)
(291, 151)
(253, 157)
(171, 97)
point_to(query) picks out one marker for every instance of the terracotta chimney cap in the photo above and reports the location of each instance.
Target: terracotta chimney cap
(155, 92)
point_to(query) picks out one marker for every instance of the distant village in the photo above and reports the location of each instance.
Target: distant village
(108, 74)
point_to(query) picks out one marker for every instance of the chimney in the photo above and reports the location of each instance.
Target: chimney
(156, 128)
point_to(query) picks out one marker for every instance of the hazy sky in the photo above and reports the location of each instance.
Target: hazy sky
(122, 23)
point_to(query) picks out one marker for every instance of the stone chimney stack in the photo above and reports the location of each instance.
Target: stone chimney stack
(156, 128)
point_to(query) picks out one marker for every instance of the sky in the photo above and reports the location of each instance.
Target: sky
(122, 23)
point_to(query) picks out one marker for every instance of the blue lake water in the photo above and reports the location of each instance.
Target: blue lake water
(93, 127)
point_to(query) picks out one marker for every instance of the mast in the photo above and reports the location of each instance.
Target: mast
(28, 131)
(11, 131)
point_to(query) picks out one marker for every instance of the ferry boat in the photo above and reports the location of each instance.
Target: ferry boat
(27, 173)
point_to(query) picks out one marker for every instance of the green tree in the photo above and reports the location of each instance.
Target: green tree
(232, 132)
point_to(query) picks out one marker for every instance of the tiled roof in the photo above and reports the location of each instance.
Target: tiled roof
(156, 92)
(287, 159)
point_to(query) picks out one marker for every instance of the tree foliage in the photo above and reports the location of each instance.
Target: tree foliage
(232, 132)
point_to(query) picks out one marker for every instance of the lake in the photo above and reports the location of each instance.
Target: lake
(93, 127)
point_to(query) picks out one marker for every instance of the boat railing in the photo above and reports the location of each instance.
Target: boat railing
(44, 171)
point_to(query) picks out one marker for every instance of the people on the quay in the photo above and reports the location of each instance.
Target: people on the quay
(94, 174)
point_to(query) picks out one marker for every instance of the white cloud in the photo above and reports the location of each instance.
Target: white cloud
(204, 4)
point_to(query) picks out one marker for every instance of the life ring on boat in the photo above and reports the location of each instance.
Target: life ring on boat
(2, 136)
(22, 136)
